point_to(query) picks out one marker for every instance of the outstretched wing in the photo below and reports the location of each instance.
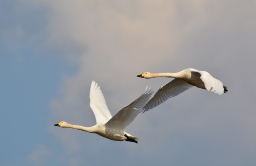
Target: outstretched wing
(98, 104)
(211, 84)
(126, 115)
(172, 89)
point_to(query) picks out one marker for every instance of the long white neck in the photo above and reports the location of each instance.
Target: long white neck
(169, 75)
(83, 128)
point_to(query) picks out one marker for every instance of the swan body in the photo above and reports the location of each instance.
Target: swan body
(182, 81)
(106, 125)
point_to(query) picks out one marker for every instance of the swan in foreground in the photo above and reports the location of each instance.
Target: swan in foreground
(106, 125)
(184, 80)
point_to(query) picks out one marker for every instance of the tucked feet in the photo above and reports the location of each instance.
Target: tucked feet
(225, 89)
(130, 139)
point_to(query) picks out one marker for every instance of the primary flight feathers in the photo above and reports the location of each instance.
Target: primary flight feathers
(113, 128)
(182, 81)
(106, 125)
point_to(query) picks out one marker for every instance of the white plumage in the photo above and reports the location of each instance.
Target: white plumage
(184, 80)
(106, 125)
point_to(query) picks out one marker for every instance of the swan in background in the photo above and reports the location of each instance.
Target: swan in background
(106, 125)
(184, 80)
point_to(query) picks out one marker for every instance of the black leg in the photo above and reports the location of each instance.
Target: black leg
(130, 139)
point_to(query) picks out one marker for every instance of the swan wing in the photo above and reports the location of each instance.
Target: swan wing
(211, 84)
(127, 114)
(98, 104)
(172, 89)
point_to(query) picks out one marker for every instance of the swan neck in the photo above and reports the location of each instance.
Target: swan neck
(169, 75)
(83, 128)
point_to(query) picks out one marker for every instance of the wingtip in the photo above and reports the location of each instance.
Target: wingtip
(93, 83)
(94, 86)
(148, 90)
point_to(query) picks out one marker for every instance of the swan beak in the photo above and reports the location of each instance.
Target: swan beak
(56, 124)
(140, 75)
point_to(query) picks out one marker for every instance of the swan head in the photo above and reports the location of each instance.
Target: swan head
(61, 124)
(146, 75)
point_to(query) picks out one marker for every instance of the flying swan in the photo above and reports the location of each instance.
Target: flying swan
(106, 125)
(184, 80)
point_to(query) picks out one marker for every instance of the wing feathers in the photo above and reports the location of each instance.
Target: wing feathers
(98, 104)
(126, 115)
(172, 89)
(212, 84)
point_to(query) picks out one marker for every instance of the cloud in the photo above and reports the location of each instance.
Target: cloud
(120, 39)
(39, 156)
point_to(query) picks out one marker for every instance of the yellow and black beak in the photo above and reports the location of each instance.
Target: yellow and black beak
(140, 75)
(56, 124)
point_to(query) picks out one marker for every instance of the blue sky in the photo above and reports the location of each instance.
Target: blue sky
(50, 51)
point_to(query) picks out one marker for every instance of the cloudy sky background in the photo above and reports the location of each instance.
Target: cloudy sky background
(50, 51)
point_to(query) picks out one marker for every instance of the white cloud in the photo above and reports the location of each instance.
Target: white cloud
(39, 156)
(124, 38)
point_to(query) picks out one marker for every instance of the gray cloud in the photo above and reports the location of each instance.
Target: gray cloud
(39, 156)
(122, 39)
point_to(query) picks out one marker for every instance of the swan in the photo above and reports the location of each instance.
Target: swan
(106, 125)
(184, 80)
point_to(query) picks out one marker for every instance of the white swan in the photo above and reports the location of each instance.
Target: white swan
(184, 80)
(106, 125)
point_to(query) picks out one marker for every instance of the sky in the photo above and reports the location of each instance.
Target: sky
(50, 51)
